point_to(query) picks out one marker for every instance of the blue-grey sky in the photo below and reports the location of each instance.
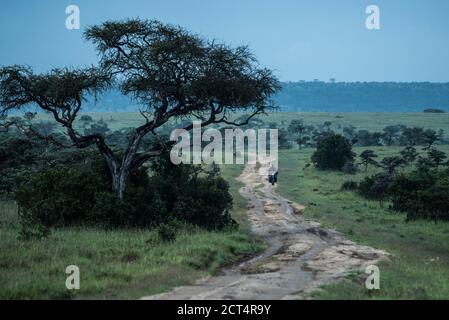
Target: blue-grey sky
(300, 39)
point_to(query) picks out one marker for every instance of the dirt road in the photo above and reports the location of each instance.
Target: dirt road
(301, 255)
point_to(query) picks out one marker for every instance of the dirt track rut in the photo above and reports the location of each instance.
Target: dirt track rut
(301, 255)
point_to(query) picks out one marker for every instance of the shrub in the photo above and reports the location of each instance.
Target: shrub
(376, 187)
(422, 194)
(80, 195)
(333, 152)
(349, 186)
(61, 195)
(167, 232)
(200, 200)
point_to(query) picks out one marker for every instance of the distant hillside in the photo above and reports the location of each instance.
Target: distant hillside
(318, 96)
(363, 96)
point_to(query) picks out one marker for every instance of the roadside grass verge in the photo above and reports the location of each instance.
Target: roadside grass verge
(418, 267)
(119, 264)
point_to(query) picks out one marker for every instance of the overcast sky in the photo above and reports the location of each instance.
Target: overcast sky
(300, 39)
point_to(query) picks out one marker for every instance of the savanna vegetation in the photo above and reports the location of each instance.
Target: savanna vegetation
(396, 199)
(111, 201)
(98, 190)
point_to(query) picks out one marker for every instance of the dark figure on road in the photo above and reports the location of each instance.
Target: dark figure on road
(272, 175)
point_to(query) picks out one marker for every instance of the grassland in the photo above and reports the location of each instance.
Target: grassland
(418, 267)
(132, 263)
(120, 264)
(365, 120)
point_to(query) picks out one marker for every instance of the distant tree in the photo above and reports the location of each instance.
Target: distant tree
(86, 118)
(170, 72)
(364, 138)
(429, 137)
(302, 141)
(390, 134)
(99, 128)
(272, 125)
(434, 110)
(376, 139)
(298, 129)
(424, 164)
(333, 152)
(390, 164)
(436, 157)
(376, 187)
(412, 136)
(45, 128)
(440, 135)
(408, 154)
(318, 134)
(349, 132)
(327, 125)
(29, 116)
(367, 158)
(283, 141)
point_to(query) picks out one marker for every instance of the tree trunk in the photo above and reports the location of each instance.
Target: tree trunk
(119, 183)
(120, 172)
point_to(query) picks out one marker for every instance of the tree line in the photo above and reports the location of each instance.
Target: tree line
(320, 96)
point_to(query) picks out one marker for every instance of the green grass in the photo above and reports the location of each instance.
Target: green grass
(418, 267)
(120, 264)
(129, 264)
(362, 120)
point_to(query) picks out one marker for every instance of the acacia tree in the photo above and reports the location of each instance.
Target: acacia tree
(429, 138)
(436, 157)
(367, 157)
(390, 164)
(299, 129)
(170, 72)
(409, 154)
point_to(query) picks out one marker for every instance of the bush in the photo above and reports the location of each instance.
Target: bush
(349, 186)
(376, 187)
(80, 195)
(333, 152)
(200, 200)
(167, 232)
(422, 194)
(86, 118)
(61, 195)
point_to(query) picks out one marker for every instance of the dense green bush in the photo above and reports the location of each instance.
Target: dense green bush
(333, 152)
(375, 187)
(422, 194)
(192, 196)
(80, 195)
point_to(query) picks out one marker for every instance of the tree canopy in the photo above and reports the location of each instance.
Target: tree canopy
(170, 72)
